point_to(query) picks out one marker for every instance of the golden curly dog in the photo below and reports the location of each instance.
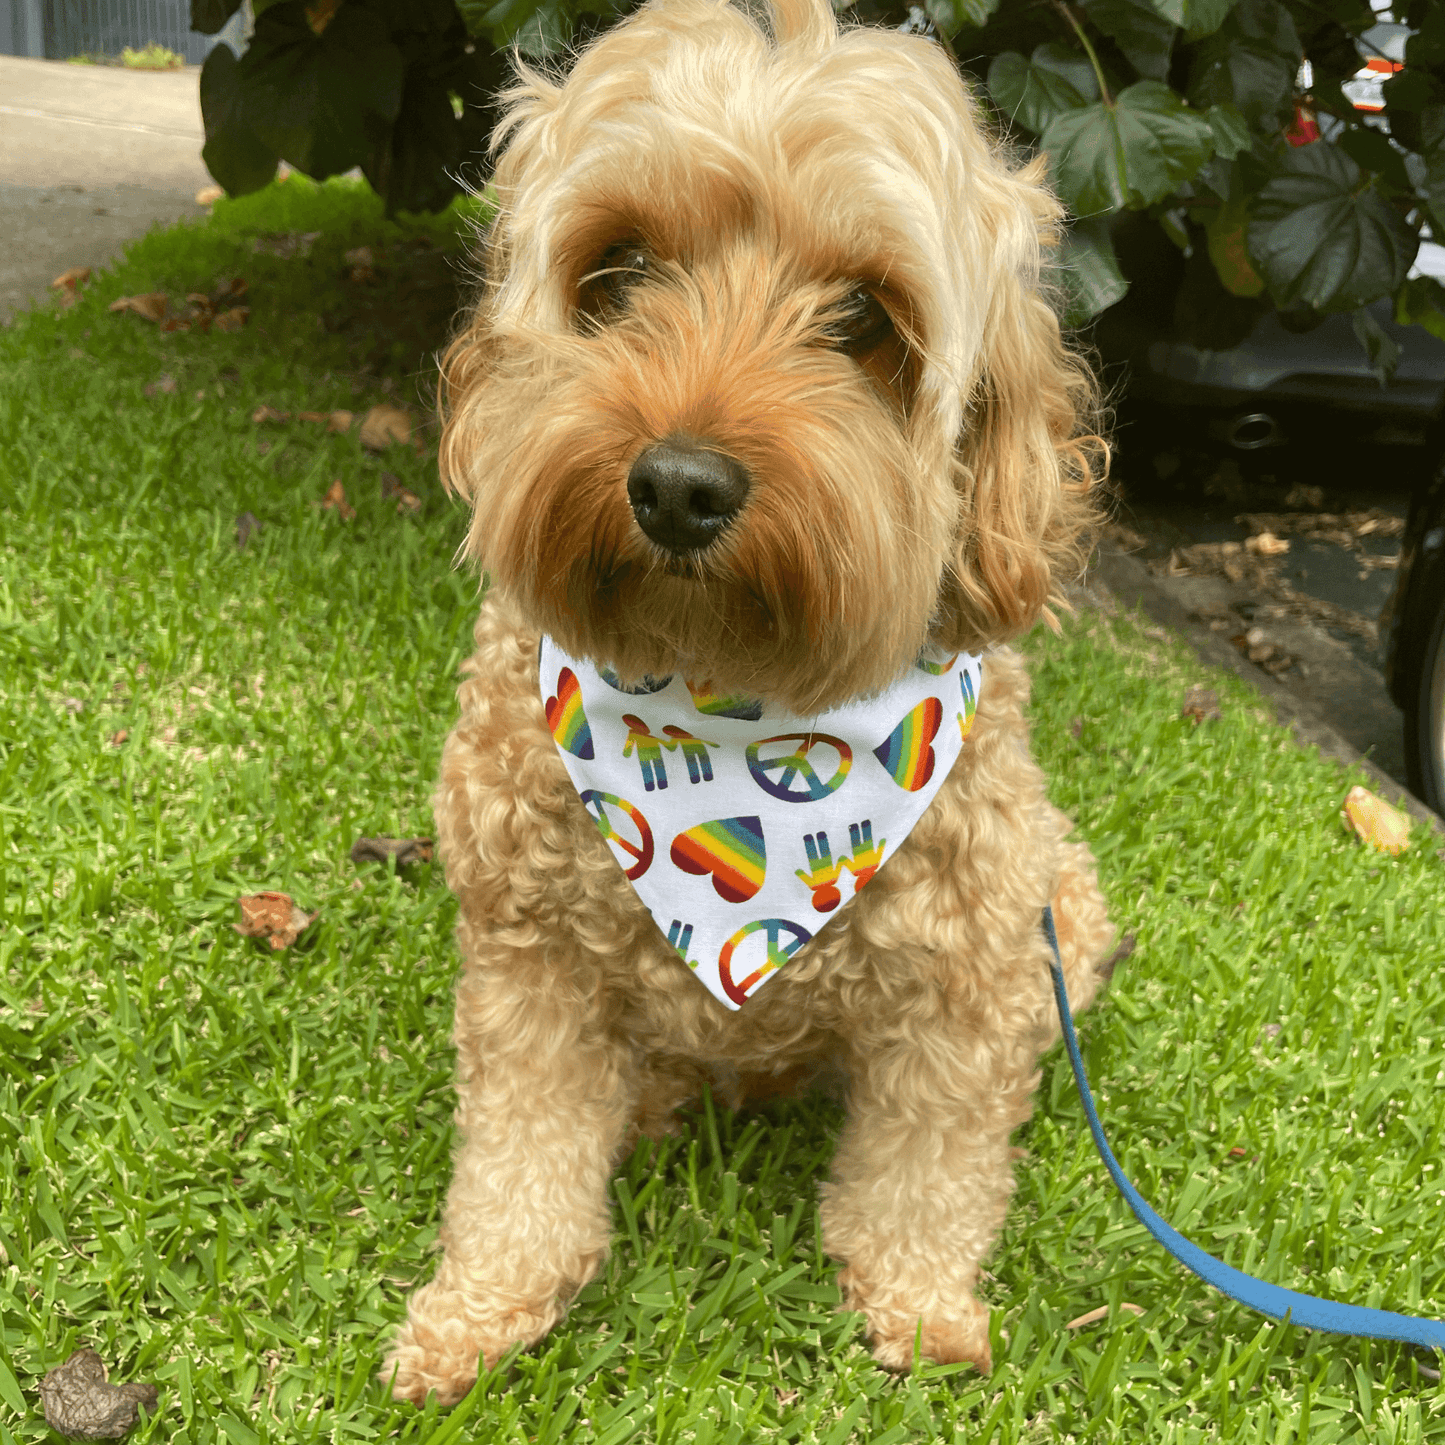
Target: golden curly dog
(763, 389)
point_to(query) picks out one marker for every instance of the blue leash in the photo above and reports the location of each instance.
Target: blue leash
(1268, 1299)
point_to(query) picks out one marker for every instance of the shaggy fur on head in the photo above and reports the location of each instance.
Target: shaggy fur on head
(798, 248)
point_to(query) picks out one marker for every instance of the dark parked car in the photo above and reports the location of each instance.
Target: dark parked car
(1412, 633)
(1250, 378)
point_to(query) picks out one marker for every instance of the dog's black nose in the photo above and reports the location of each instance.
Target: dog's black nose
(684, 495)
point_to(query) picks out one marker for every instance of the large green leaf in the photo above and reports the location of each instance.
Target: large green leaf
(1421, 302)
(1200, 17)
(1371, 150)
(1073, 65)
(1250, 61)
(234, 154)
(1434, 189)
(1030, 95)
(1197, 18)
(1425, 48)
(952, 15)
(1136, 27)
(208, 17)
(545, 32)
(1432, 147)
(322, 102)
(1088, 271)
(1321, 236)
(1231, 130)
(1131, 153)
(418, 166)
(1228, 237)
(413, 167)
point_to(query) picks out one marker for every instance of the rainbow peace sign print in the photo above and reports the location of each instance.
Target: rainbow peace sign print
(620, 823)
(760, 955)
(790, 775)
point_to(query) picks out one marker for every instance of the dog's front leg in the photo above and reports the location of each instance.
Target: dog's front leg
(920, 1185)
(544, 1099)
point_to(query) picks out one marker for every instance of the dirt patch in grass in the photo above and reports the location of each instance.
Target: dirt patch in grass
(397, 310)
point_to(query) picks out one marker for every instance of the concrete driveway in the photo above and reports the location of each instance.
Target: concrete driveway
(91, 157)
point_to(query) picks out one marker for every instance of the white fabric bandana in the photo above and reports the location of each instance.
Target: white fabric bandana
(739, 825)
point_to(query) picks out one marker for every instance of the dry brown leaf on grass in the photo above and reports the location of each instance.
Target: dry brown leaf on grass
(247, 525)
(209, 195)
(117, 738)
(407, 503)
(269, 413)
(1201, 703)
(165, 386)
(405, 851)
(1102, 1313)
(273, 916)
(79, 1403)
(383, 425)
(1374, 821)
(152, 305)
(217, 308)
(336, 421)
(335, 501)
(68, 283)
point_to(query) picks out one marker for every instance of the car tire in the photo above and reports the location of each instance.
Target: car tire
(1425, 719)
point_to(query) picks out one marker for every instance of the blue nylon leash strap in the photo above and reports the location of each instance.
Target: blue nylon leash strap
(1268, 1299)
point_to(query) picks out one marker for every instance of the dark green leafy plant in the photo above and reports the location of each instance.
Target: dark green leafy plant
(1235, 128)
(400, 90)
(1232, 125)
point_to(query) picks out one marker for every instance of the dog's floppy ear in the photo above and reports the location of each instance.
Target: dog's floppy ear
(463, 368)
(528, 107)
(1029, 465)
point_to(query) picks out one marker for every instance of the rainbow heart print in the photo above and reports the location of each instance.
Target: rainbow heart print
(745, 829)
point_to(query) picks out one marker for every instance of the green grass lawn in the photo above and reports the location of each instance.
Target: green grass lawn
(222, 1166)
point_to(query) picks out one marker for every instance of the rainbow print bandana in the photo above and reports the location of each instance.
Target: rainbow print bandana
(743, 828)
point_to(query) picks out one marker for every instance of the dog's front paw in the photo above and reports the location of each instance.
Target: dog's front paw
(897, 1334)
(446, 1339)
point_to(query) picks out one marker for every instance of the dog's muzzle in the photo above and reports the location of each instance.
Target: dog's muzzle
(684, 495)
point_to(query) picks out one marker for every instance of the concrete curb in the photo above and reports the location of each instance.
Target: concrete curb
(1130, 583)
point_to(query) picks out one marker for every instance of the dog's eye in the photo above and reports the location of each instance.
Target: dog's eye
(618, 270)
(860, 323)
